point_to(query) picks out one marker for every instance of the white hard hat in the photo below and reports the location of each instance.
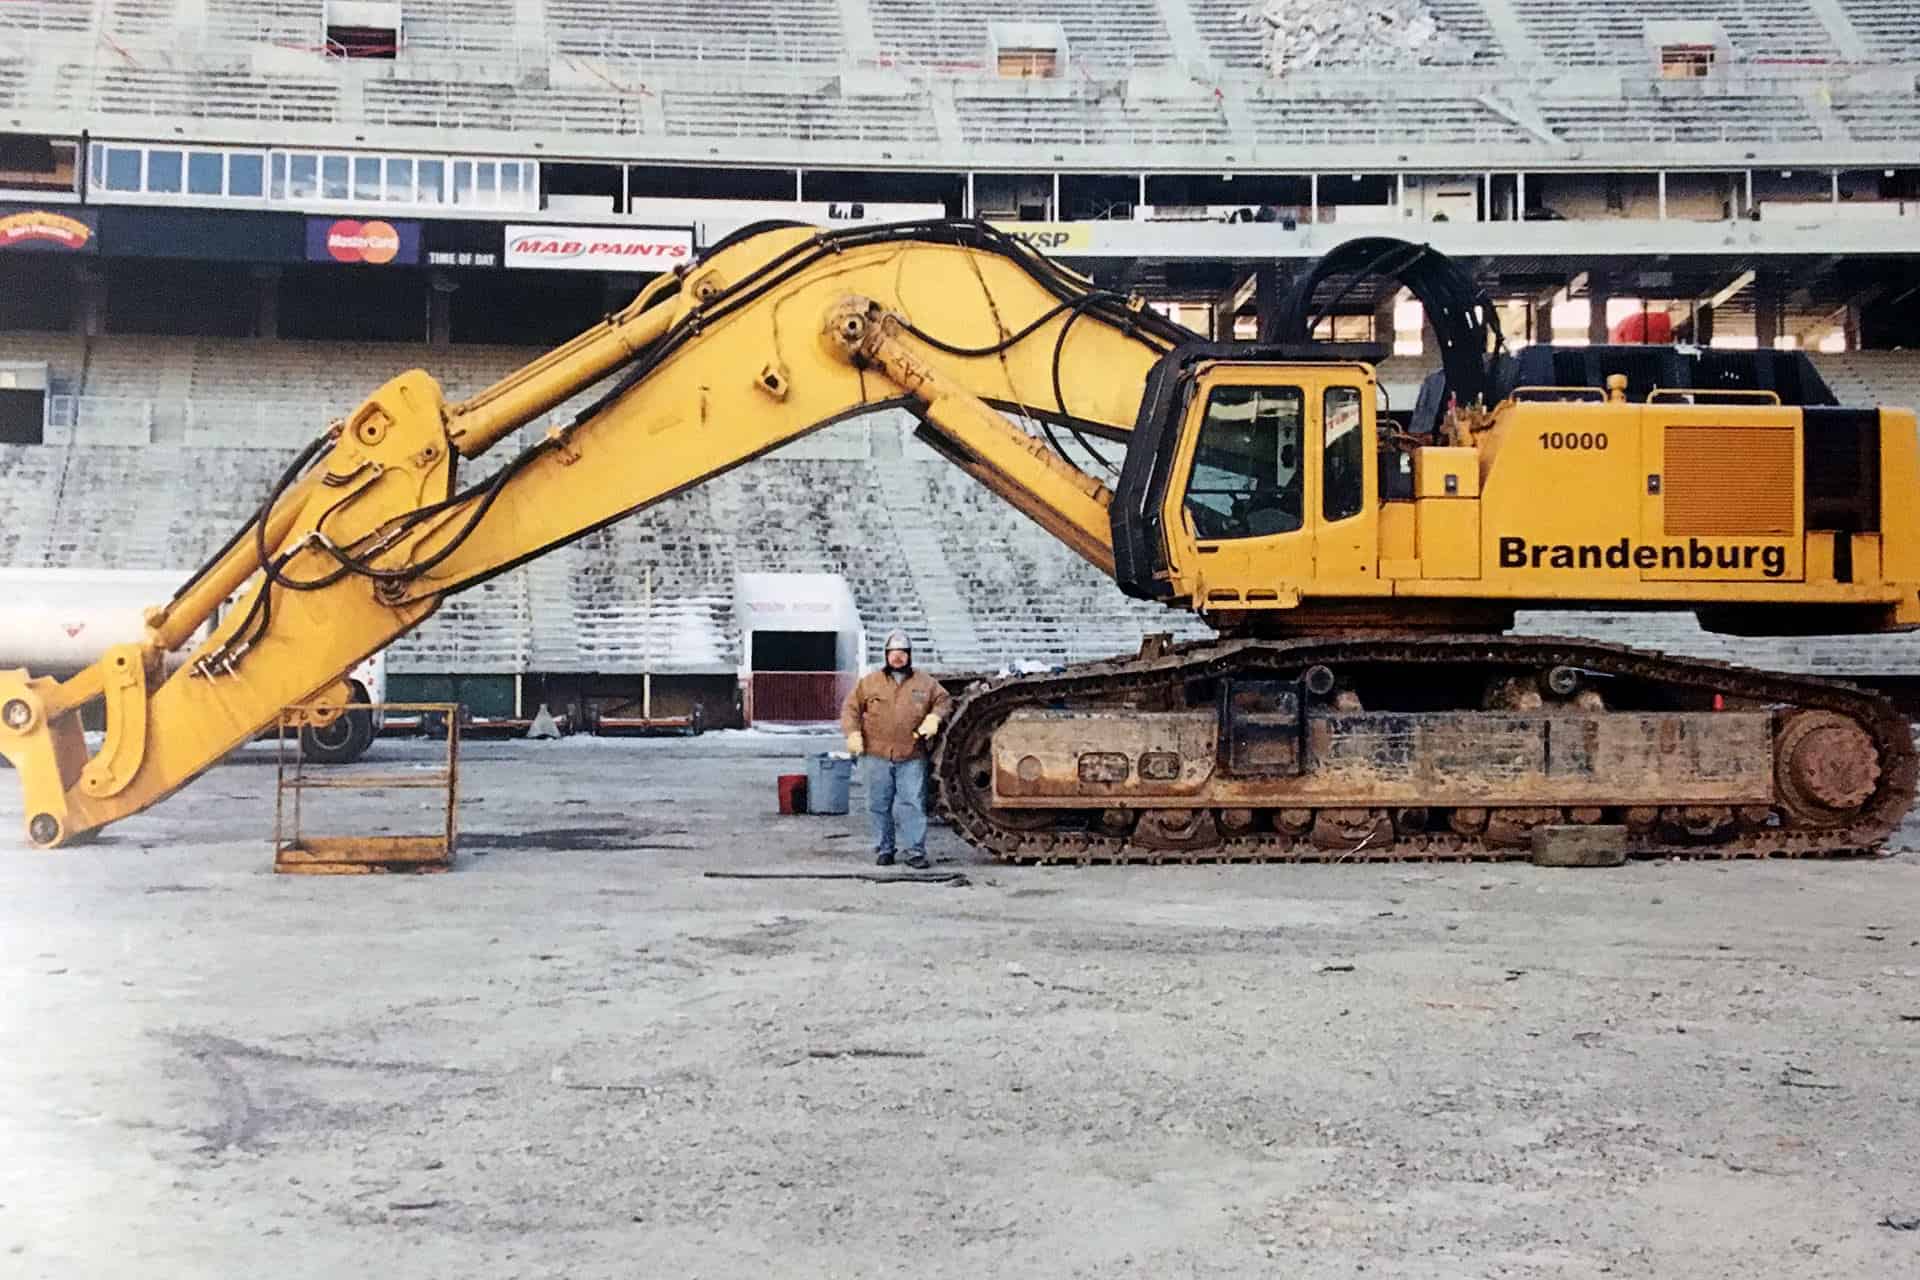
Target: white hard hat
(897, 639)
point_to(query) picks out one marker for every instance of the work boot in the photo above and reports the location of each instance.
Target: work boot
(884, 860)
(918, 862)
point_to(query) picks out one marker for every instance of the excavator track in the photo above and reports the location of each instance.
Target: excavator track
(1076, 836)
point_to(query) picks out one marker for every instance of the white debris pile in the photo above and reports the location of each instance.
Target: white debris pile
(1305, 33)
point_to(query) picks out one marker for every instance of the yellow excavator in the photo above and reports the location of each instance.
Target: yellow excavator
(1362, 565)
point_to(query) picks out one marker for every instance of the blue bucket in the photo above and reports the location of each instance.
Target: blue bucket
(829, 778)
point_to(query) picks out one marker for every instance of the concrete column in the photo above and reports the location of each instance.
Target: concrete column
(1850, 326)
(266, 302)
(89, 300)
(1767, 317)
(1598, 292)
(440, 309)
(1383, 320)
(1269, 291)
(1223, 312)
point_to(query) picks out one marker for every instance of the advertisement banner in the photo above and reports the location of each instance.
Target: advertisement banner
(461, 244)
(200, 235)
(370, 243)
(45, 231)
(1052, 237)
(598, 248)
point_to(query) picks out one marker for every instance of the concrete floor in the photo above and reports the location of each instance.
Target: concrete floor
(576, 1057)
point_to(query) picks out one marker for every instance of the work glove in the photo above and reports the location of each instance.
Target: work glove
(856, 744)
(928, 727)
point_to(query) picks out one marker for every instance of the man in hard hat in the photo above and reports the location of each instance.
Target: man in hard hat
(889, 719)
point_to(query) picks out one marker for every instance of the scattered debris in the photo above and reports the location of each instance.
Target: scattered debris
(413, 1204)
(1333, 968)
(1017, 970)
(957, 878)
(854, 1053)
(1901, 1224)
(1793, 1076)
(1301, 33)
(1514, 975)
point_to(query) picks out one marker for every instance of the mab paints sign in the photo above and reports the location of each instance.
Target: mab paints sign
(598, 248)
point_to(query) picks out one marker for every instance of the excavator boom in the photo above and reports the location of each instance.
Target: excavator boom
(770, 336)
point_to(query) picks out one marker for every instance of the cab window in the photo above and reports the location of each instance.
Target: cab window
(1344, 456)
(1246, 478)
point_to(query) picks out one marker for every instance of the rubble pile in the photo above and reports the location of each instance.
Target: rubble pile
(1305, 33)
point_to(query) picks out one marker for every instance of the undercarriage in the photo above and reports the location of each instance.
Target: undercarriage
(1418, 747)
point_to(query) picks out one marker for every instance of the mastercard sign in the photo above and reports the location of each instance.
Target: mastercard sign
(373, 242)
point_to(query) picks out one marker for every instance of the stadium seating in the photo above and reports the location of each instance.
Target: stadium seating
(299, 24)
(753, 31)
(140, 18)
(1075, 122)
(458, 26)
(1359, 120)
(1605, 32)
(1887, 26)
(448, 104)
(50, 16)
(1682, 120)
(29, 493)
(955, 34)
(201, 93)
(1881, 117)
(694, 113)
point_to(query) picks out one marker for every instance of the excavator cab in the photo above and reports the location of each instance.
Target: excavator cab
(1262, 481)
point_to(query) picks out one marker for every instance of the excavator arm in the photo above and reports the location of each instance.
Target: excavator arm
(771, 335)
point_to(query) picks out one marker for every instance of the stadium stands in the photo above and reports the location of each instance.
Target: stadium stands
(1366, 120)
(1076, 122)
(1887, 26)
(140, 18)
(1604, 32)
(447, 104)
(209, 93)
(458, 26)
(1747, 118)
(29, 494)
(298, 24)
(1880, 118)
(954, 34)
(52, 16)
(695, 113)
(787, 31)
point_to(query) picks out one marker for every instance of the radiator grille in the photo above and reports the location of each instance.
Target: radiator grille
(1729, 481)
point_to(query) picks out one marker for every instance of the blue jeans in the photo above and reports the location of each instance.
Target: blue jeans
(902, 785)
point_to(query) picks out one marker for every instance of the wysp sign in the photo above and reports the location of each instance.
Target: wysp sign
(598, 248)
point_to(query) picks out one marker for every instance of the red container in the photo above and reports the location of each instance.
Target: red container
(793, 792)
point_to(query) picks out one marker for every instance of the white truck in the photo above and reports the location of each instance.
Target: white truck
(54, 622)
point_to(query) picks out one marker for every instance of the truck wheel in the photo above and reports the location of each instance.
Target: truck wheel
(343, 741)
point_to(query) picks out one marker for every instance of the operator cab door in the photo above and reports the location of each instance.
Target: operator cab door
(1273, 491)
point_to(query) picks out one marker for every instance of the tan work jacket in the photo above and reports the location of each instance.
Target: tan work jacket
(885, 712)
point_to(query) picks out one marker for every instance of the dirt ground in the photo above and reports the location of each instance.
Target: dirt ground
(577, 1057)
